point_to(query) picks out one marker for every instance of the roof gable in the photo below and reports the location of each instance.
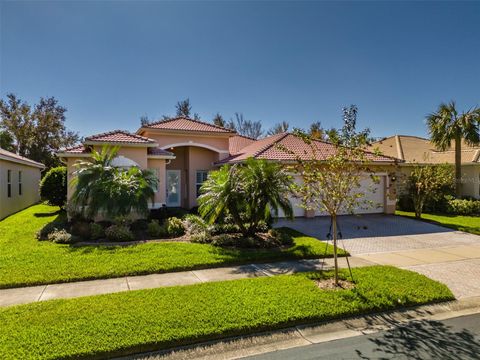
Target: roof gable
(119, 137)
(187, 124)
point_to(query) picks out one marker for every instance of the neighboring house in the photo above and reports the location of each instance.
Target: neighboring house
(182, 151)
(415, 150)
(19, 181)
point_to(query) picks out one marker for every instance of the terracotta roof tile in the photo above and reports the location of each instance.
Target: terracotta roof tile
(119, 136)
(186, 124)
(272, 148)
(238, 142)
(158, 151)
(7, 155)
(77, 149)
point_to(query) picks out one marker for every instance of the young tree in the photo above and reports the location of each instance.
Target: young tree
(144, 120)
(184, 108)
(447, 125)
(279, 128)
(218, 120)
(249, 128)
(426, 181)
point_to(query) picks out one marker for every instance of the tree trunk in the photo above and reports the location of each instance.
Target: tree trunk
(458, 166)
(335, 260)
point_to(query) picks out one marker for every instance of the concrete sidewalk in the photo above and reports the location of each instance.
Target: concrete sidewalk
(31, 294)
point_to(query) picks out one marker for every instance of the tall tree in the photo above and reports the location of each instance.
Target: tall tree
(348, 135)
(447, 125)
(316, 131)
(184, 108)
(37, 133)
(16, 119)
(144, 120)
(249, 128)
(218, 120)
(279, 128)
(6, 141)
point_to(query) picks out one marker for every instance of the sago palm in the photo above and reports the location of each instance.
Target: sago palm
(447, 125)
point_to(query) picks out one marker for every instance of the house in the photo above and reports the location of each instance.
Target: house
(414, 150)
(19, 181)
(182, 151)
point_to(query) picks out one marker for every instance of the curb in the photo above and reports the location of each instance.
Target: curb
(303, 335)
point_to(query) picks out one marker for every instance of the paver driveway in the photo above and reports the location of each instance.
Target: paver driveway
(449, 256)
(368, 234)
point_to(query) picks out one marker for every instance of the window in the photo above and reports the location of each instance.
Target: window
(9, 183)
(201, 177)
(20, 183)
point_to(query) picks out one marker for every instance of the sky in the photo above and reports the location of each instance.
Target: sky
(110, 62)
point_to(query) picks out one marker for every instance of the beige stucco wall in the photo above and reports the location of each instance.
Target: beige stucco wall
(471, 180)
(30, 182)
(189, 160)
(167, 140)
(159, 166)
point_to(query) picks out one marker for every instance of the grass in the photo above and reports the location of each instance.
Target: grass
(26, 261)
(470, 224)
(138, 321)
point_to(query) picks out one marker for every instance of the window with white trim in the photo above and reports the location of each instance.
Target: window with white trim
(9, 183)
(202, 175)
(20, 183)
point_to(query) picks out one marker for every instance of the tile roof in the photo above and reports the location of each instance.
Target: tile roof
(77, 149)
(9, 156)
(415, 149)
(158, 151)
(273, 148)
(238, 142)
(186, 124)
(119, 136)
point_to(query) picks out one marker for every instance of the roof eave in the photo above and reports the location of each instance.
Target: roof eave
(190, 132)
(21, 161)
(121, 143)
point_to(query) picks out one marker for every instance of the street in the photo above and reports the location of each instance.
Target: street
(456, 338)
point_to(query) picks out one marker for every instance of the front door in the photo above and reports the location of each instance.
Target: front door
(173, 188)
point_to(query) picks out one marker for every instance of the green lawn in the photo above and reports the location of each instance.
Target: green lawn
(469, 224)
(138, 321)
(26, 261)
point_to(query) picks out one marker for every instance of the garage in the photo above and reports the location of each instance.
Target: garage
(374, 192)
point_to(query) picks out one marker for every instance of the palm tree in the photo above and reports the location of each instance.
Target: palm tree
(250, 193)
(447, 125)
(100, 187)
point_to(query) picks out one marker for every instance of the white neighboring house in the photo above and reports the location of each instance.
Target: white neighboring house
(19, 182)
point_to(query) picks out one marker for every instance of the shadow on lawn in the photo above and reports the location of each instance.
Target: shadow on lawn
(50, 214)
(426, 339)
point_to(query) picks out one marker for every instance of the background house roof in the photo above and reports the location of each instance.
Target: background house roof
(187, 124)
(238, 142)
(415, 149)
(279, 147)
(119, 137)
(9, 156)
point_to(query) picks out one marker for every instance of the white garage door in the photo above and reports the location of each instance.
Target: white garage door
(374, 192)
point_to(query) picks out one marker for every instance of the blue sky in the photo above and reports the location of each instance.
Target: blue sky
(111, 62)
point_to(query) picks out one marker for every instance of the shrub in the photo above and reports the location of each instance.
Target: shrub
(96, 231)
(43, 233)
(175, 227)
(53, 187)
(81, 229)
(60, 237)
(217, 229)
(281, 237)
(463, 207)
(195, 224)
(118, 232)
(156, 230)
(201, 238)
